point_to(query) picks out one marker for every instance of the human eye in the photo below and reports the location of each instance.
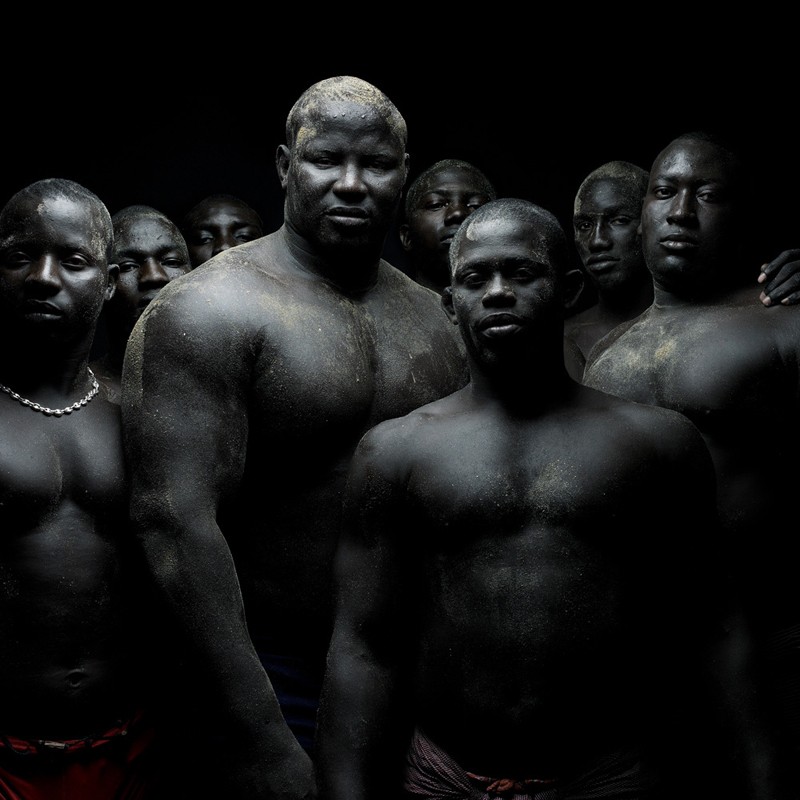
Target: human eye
(126, 265)
(582, 225)
(245, 235)
(434, 204)
(621, 220)
(662, 192)
(75, 261)
(15, 258)
(472, 279)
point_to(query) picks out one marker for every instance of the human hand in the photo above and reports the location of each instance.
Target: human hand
(781, 279)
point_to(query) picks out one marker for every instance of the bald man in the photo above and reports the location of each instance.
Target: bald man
(245, 391)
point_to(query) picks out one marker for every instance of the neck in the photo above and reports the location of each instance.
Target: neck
(351, 270)
(527, 386)
(627, 301)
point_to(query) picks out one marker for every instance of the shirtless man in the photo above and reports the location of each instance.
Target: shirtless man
(439, 199)
(508, 569)
(218, 222)
(149, 251)
(73, 717)
(245, 391)
(711, 351)
(606, 222)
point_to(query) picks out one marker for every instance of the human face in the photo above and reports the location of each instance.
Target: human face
(504, 292)
(54, 270)
(688, 220)
(220, 225)
(606, 225)
(150, 253)
(343, 178)
(452, 195)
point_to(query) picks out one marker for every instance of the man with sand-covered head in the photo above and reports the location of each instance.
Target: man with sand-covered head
(245, 391)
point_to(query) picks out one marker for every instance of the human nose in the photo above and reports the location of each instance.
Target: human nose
(223, 242)
(350, 179)
(456, 211)
(498, 291)
(153, 273)
(45, 272)
(598, 236)
(681, 208)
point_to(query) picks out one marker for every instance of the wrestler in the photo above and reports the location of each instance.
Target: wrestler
(150, 251)
(707, 347)
(246, 386)
(513, 558)
(76, 717)
(218, 222)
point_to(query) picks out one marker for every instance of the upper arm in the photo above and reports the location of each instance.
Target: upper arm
(184, 397)
(372, 563)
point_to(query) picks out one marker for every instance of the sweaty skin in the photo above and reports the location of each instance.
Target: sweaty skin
(712, 352)
(510, 554)
(246, 390)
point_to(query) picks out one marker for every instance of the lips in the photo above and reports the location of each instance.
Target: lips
(347, 212)
(499, 324)
(40, 308)
(678, 242)
(601, 263)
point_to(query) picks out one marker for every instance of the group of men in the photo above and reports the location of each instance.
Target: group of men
(346, 536)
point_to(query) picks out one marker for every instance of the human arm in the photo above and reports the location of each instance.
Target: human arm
(361, 728)
(184, 406)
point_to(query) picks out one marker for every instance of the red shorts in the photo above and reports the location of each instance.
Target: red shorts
(117, 765)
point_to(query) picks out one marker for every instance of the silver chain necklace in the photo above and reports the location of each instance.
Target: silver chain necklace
(55, 412)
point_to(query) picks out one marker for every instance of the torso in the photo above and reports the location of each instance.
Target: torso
(63, 501)
(531, 544)
(323, 369)
(732, 369)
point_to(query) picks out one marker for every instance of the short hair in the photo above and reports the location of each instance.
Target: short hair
(190, 217)
(422, 183)
(138, 211)
(549, 230)
(57, 187)
(632, 179)
(346, 88)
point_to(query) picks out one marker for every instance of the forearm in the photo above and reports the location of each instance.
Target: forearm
(361, 732)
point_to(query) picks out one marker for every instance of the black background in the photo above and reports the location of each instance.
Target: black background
(535, 106)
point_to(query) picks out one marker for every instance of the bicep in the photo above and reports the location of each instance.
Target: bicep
(184, 415)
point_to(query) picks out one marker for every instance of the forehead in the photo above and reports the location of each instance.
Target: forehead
(498, 239)
(144, 233)
(348, 120)
(58, 220)
(607, 194)
(693, 159)
(452, 179)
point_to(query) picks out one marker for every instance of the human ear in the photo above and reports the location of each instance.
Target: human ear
(405, 239)
(447, 304)
(282, 157)
(111, 284)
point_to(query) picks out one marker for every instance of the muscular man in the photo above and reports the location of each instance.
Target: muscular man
(149, 251)
(606, 218)
(440, 198)
(513, 559)
(711, 351)
(73, 687)
(218, 222)
(245, 390)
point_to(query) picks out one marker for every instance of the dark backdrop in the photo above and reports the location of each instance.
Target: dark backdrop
(144, 130)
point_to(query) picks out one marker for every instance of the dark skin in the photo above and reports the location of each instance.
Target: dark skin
(451, 193)
(217, 223)
(291, 347)
(149, 251)
(709, 350)
(500, 603)
(69, 666)
(606, 222)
